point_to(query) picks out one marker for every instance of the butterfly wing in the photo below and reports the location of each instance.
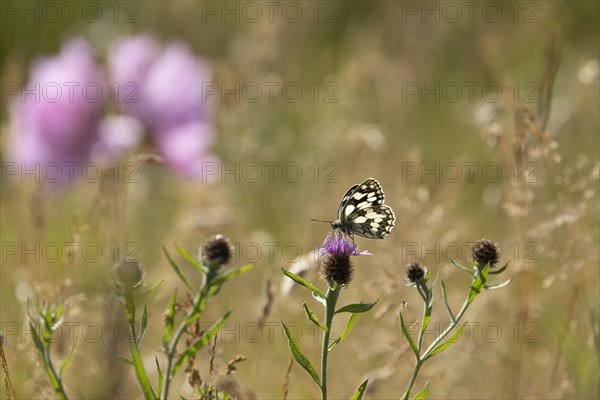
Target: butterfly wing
(362, 212)
(368, 192)
(344, 201)
(372, 221)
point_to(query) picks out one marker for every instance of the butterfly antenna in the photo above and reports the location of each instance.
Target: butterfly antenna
(320, 220)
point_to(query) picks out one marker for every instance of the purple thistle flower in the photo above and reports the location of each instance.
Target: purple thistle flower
(56, 120)
(336, 251)
(164, 88)
(160, 92)
(337, 244)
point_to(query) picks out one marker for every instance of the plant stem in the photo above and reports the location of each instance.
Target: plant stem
(413, 377)
(450, 327)
(55, 380)
(330, 302)
(196, 309)
(420, 360)
(136, 358)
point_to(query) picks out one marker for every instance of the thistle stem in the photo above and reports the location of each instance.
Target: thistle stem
(422, 357)
(330, 302)
(136, 358)
(55, 379)
(196, 309)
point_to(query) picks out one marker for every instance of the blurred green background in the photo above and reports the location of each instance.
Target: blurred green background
(356, 63)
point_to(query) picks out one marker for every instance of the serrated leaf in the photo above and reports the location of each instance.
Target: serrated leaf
(143, 327)
(356, 308)
(160, 377)
(178, 271)
(423, 392)
(68, 359)
(496, 286)
(169, 320)
(349, 325)
(300, 357)
(360, 391)
(411, 342)
(312, 317)
(302, 282)
(191, 259)
(500, 270)
(199, 343)
(447, 343)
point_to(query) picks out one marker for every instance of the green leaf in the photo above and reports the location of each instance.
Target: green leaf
(125, 360)
(434, 282)
(300, 357)
(178, 271)
(361, 390)
(160, 377)
(191, 259)
(143, 327)
(423, 392)
(220, 280)
(199, 343)
(312, 317)
(445, 297)
(499, 271)
(304, 283)
(68, 359)
(356, 308)
(152, 289)
(465, 269)
(411, 342)
(447, 343)
(496, 286)
(349, 325)
(428, 309)
(321, 300)
(36, 339)
(478, 282)
(169, 320)
(227, 275)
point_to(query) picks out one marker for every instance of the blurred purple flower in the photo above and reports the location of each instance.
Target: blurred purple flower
(164, 89)
(55, 120)
(61, 117)
(337, 245)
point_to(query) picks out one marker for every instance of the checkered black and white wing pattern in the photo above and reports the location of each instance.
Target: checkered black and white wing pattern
(363, 213)
(345, 199)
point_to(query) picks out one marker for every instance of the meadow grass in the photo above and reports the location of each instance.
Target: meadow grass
(536, 338)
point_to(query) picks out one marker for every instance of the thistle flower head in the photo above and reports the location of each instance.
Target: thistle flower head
(49, 315)
(217, 252)
(485, 251)
(129, 273)
(337, 268)
(415, 273)
(336, 252)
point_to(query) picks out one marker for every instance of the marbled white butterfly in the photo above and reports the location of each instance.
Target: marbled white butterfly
(363, 213)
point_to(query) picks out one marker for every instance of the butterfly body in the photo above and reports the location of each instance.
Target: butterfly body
(362, 212)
